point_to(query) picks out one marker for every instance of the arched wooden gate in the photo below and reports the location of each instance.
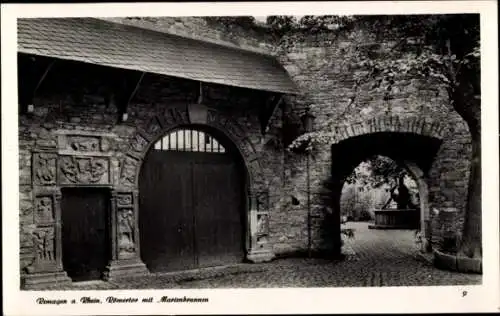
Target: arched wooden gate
(191, 202)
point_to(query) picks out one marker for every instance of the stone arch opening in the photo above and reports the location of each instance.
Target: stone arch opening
(192, 200)
(241, 149)
(174, 118)
(412, 151)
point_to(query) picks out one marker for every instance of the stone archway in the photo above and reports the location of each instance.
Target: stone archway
(257, 234)
(411, 141)
(424, 126)
(423, 190)
(192, 201)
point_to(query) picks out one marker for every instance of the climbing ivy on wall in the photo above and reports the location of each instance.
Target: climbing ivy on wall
(309, 23)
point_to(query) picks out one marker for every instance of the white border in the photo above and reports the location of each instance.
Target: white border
(483, 298)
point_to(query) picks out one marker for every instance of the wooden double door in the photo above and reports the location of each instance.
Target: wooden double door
(191, 210)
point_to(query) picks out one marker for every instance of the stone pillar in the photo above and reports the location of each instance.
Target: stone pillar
(125, 244)
(425, 213)
(46, 268)
(260, 249)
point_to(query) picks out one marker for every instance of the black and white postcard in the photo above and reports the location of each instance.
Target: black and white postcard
(250, 158)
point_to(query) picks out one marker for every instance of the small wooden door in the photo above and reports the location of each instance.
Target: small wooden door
(190, 205)
(85, 232)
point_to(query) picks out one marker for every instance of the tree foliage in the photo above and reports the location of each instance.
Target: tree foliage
(441, 49)
(247, 22)
(376, 171)
(283, 24)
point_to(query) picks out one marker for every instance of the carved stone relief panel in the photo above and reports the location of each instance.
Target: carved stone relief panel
(45, 139)
(215, 119)
(128, 171)
(154, 126)
(139, 143)
(84, 170)
(248, 151)
(236, 131)
(44, 168)
(124, 199)
(255, 171)
(174, 115)
(84, 143)
(262, 201)
(44, 243)
(126, 233)
(44, 210)
(262, 224)
(259, 231)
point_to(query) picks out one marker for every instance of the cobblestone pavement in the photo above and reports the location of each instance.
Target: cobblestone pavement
(374, 258)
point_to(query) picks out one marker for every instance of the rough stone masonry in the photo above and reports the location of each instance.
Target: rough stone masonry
(71, 100)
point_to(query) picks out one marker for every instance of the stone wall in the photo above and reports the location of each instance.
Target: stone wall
(322, 65)
(69, 107)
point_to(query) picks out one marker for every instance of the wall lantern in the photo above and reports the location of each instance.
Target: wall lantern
(308, 121)
(197, 112)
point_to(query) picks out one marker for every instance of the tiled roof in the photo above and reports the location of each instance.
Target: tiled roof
(111, 44)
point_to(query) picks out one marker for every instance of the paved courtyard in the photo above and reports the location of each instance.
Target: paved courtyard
(374, 258)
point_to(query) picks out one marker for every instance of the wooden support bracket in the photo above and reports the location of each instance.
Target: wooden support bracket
(267, 112)
(125, 94)
(200, 94)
